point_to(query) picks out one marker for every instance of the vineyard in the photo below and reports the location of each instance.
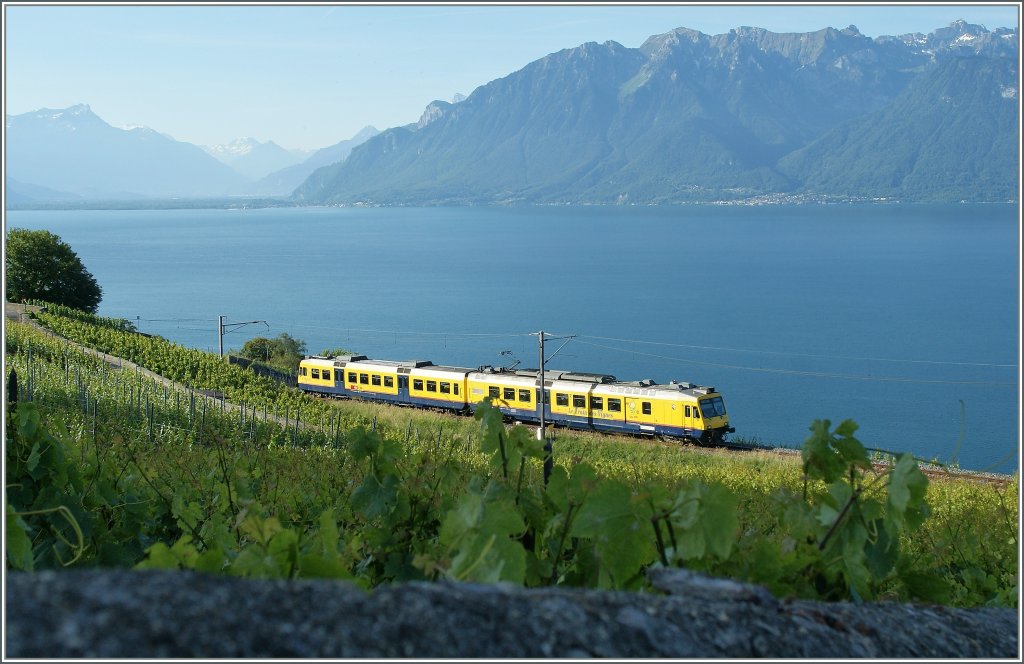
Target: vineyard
(224, 471)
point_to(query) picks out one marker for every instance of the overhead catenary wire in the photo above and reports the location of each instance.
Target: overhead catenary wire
(811, 355)
(795, 372)
(583, 339)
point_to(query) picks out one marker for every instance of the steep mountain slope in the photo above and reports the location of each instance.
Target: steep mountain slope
(952, 135)
(685, 117)
(73, 150)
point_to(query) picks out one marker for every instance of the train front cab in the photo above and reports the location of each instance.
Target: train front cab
(681, 411)
(714, 417)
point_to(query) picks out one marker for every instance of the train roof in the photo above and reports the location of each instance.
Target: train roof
(570, 381)
(440, 371)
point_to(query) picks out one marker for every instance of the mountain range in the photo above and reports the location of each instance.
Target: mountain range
(255, 159)
(71, 155)
(693, 117)
(746, 116)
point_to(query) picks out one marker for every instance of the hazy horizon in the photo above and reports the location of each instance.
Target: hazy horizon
(306, 77)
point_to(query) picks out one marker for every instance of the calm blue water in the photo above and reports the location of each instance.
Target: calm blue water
(890, 315)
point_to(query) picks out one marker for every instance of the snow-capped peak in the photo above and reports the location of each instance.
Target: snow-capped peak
(236, 148)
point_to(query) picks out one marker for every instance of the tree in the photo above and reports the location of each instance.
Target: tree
(41, 266)
(282, 352)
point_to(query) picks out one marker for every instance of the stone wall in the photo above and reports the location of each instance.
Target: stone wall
(157, 614)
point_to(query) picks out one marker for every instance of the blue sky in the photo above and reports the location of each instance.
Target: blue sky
(309, 76)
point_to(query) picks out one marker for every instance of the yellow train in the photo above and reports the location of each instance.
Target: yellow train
(576, 400)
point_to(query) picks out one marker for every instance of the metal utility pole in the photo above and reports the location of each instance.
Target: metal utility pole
(543, 401)
(220, 330)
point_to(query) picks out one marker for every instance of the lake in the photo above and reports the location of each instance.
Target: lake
(904, 318)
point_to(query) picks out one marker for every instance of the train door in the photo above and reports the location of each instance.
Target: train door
(403, 389)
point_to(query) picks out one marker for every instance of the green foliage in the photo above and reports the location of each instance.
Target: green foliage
(283, 352)
(46, 508)
(861, 516)
(89, 319)
(40, 266)
(104, 469)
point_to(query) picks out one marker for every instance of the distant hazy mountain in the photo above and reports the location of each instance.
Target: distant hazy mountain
(285, 180)
(19, 193)
(254, 159)
(693, 117)
(72, 150)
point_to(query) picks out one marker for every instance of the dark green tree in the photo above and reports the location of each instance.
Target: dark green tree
(282, 352)
(41, 266)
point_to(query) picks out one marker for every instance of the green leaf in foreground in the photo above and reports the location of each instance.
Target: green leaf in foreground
(620, 528)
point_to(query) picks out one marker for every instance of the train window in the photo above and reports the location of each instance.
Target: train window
(456, 388)
(389, 381)
(303, 371)
(364, 379)
(688, 411)
(351, 377)
(509, 394)
(524, 396)
(316, 374)
(375, 380)
(615, 405)
(646, 407)
(446, 388)
(326, 374)
(596, 403)
(696, 412)
(561, 399)
(579, 401)
(431, 386)
(417, 384)
(493, 392)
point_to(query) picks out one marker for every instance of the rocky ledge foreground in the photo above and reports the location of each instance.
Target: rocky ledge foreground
(157, 614)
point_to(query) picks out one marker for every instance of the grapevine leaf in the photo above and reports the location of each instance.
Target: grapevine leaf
(620, 530)
(258, 529)
(284, 548)
(927, 586)
(19, 546)
(719, 520)
(853, 563)
(882, 553)
(852, 452)
(375, 498)
(33, 460)
(572, 489)
(28, 420)
(846, 428)
(363, 444)
(328, 532)
(907, 488)
(821, 461)
(254, 561)
(211, 561)
(479, 530)
(158, 556)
